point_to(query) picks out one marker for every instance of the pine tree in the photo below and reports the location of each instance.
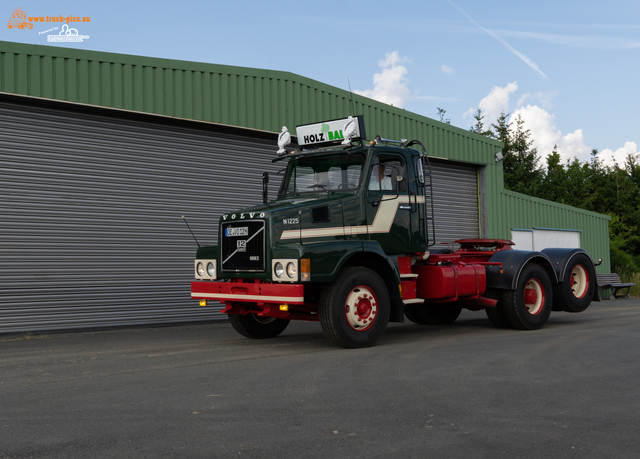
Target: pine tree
(554, 184)
(521, 170)
(478, 128)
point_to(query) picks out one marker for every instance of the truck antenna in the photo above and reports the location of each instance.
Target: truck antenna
(353, 110)
(194, 236)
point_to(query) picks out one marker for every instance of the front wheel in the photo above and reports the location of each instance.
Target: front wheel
(354, 310)
(257, 327)
(529, 305)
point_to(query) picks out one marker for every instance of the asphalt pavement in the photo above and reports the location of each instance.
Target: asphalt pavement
(467, 390)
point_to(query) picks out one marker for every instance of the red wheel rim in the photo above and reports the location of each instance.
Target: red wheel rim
(534, 296)
(361, 308)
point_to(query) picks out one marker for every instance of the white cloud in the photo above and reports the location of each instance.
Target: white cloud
(543, 98)
(390, 85)
(494, 104)
(542, 126)
(446, 69)
(545, 135)
(619, 156)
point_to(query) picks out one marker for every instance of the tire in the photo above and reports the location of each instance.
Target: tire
(529, 305)
(411, 313)
(439, 313)
(577, 287)
(257, 327)
(354, 309)
(496, 315)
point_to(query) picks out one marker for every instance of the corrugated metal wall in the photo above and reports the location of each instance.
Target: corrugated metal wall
(90, 214)
(524, 212)
(237, 96)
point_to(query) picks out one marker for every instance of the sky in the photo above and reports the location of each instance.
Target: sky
(570, 69)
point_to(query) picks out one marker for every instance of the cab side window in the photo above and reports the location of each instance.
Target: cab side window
(385, 172)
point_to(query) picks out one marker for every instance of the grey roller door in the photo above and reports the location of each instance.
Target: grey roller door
(455, 191)
(90, 213)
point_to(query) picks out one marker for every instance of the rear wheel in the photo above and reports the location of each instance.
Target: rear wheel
(354, 310)
(439, 313)
(497, 317)
(529, 305)
(257, 327)
(496, 314)
(576, 289)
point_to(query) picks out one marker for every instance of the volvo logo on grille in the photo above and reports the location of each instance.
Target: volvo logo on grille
(242, 245)
(240, 231)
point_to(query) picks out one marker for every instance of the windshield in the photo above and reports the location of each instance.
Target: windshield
(339, 172)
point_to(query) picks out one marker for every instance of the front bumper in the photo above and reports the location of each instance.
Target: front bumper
(244, 292)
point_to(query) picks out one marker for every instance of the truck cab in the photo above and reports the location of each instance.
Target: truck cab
(348, 242)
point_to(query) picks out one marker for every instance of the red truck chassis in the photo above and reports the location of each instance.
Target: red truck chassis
(451, 276)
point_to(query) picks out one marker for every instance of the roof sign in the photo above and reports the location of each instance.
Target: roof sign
(343, 130)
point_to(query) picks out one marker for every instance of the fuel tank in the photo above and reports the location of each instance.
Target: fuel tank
(439, 282)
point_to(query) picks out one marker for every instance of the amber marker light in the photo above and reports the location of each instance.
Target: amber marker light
(305, 269)
(400, 289)
(284, 307)
(203, 302)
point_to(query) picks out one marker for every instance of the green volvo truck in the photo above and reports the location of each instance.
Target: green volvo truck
(349, 241)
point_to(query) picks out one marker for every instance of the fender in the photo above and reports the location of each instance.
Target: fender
(339, 254)
(326, 259)
(560, 259)
(513, 261)
(391, 262)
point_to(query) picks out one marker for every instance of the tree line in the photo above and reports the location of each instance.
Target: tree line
(590, 185)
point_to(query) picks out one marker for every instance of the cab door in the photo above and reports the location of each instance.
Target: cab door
(388, 207)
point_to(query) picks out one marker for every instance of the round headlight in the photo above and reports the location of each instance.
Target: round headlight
(291, 270)
(200, 269)
(278, 270)
(211, 269)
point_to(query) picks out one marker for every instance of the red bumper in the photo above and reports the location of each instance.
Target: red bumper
(226, 292)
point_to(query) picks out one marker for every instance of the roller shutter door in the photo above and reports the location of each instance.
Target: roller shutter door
(455, 191)
(90, 213)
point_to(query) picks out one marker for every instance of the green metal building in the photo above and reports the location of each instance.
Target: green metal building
(102, 153)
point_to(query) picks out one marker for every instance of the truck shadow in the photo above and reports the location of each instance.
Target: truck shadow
(310, 336)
